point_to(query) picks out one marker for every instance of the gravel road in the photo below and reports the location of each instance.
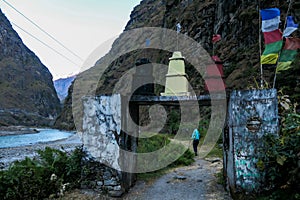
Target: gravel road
(195, 182)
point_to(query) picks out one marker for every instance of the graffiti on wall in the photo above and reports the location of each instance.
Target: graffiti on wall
(251, 115)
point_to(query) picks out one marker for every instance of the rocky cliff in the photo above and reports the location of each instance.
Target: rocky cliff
(27, 95)
(236, 21)
(65, 119)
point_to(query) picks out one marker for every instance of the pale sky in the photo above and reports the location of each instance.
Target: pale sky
(81, 25)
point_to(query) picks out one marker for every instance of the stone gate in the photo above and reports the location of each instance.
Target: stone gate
(110, 131)
(251, 115)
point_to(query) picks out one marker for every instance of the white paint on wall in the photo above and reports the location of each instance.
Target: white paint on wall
(101, 121)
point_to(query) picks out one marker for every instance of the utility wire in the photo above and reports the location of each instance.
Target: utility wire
(49, 35)
(45, 44)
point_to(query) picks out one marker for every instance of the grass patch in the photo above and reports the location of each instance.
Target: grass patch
(220, 177)
(152, 143)
(280, 194)
(156, 142)
(217, 151)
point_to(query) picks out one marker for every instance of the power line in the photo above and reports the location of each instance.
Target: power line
(41, 29)
(45, 44)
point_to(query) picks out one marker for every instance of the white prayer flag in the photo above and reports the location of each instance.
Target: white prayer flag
(178, 27)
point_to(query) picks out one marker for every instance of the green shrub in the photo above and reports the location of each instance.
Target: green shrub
(41, 177)
(186, 159)
(282, 157)
(146, 145)
(174, 121)
(159, 141)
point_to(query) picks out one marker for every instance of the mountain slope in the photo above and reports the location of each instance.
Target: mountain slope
(236, 21)
(27, 94)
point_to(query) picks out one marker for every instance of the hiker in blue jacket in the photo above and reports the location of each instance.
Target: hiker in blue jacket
(196, 138)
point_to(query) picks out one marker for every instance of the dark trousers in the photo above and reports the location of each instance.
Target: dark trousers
(195, 145)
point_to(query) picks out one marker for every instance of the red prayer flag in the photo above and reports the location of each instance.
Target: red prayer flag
(213, 70)
(214, 84)
(216, 38)
(216, 59)
(292, 43)
(273, 36)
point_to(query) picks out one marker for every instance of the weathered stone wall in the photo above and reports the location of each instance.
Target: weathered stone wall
(102, 128)
(100, 178)
(101, 137)
(251, 115)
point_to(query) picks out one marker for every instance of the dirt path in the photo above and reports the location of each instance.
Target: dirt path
(195, 182)
(185, 183)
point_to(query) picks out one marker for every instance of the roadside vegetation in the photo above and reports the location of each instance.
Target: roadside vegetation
(47, 176)
(282, 158)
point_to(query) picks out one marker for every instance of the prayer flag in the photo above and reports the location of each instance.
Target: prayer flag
(215, 70)
(273, 36)
(288, 54)
(290, 26)
(148, 42)
(216, 38)
(270, 19)
(178, 27)
(214, 84)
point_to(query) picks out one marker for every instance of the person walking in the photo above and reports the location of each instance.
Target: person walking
(196, 138)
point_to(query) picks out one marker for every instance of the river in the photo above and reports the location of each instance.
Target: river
(44, 135)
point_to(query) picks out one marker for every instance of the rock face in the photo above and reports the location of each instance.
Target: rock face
(62, 86)
(65, 119)
(27, 95)
(236, 21)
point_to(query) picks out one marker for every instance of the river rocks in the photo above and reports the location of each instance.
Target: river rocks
(213, 160)
(116, 193)
(179, 177)
(9, 155)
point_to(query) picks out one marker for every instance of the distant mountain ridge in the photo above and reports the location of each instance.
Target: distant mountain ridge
(62, 86)
(27, 94)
